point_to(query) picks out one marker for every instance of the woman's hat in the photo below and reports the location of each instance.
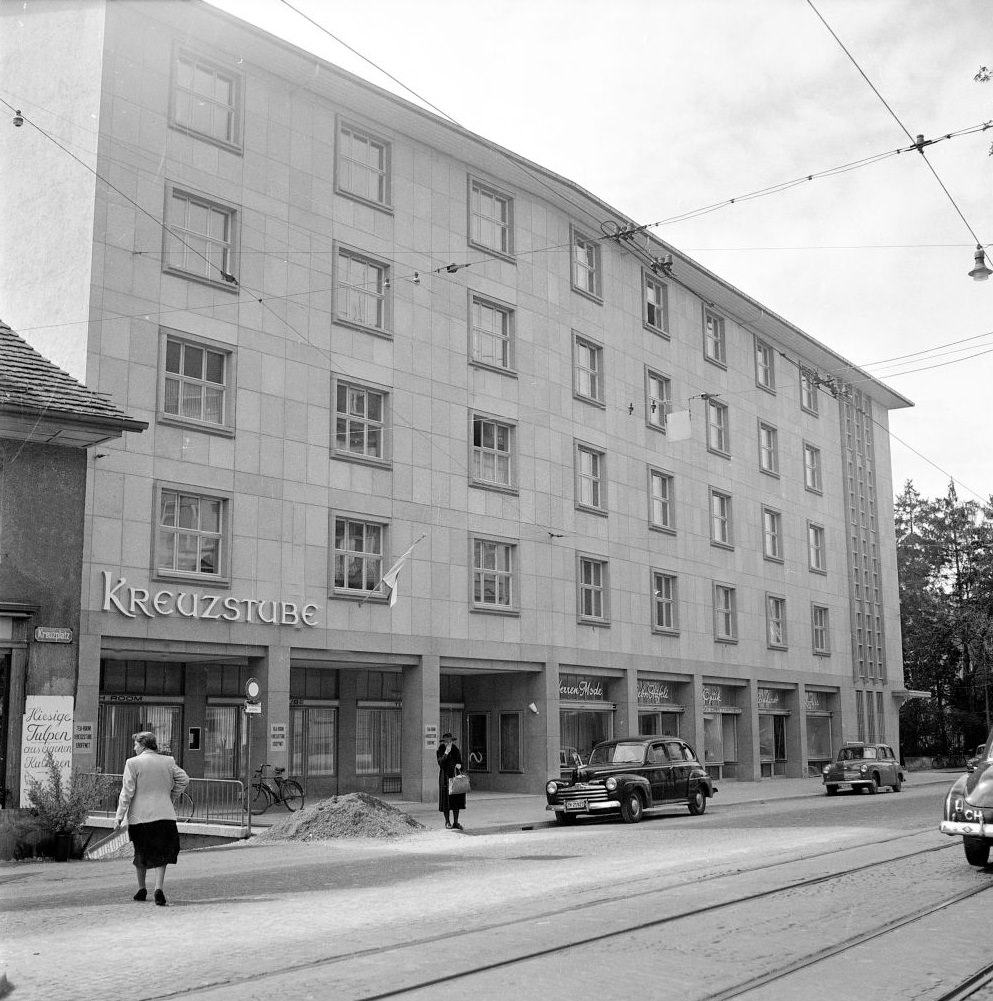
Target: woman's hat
(447, 736)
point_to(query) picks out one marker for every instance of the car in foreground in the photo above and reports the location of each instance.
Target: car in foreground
(863, 766)
(628, 776)
(968, 811)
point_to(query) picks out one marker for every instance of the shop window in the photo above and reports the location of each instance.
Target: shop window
(224, 744)
(818, 744)
(772, 744)
(313, 741)
(117, 725)
(377, 741)
(720, 744)
(476, 754)
(511, 750)
(584, 728)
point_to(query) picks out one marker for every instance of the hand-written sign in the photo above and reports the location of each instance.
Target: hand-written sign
(47, 725)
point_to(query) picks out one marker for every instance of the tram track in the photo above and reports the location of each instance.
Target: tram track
(389, 955)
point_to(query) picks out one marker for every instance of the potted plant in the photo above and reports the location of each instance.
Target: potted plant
(61, 805)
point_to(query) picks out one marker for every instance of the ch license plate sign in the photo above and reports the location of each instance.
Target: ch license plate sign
(844, 785)
(575, 806)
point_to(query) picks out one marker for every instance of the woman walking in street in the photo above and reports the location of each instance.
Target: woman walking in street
(151, 781)
(449, 765)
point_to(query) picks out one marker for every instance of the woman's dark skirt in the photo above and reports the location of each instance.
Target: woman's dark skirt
(155, 843)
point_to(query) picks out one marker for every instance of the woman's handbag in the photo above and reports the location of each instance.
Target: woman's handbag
(458, 785)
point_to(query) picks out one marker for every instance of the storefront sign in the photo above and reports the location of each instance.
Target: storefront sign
(430, 736)
(52, 634)
(769, 698)
(82, 738)
(135, 601)
(653, 693)
(47, 726)
(277, 736)
(573, 686)
(713, 696)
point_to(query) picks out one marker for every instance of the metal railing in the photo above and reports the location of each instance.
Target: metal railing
(206, 801)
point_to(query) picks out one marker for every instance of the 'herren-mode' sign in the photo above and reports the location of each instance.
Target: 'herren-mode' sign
(135, 601)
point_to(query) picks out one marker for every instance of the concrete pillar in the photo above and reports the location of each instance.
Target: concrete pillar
(277, 704)
(626, 714)
(548, 683)
(421, 707)
(87, 705)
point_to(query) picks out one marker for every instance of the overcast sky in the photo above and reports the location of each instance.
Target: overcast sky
(661, 107)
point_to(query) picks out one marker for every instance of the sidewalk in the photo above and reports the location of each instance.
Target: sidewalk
(490, 812)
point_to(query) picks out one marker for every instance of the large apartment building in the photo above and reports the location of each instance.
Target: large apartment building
(631, 498)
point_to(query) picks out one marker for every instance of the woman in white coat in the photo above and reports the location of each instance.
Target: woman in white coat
(151, 781)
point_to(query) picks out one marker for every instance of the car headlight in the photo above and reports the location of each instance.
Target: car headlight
(825, 769)
(552, 788)
(611, 784)
(864, 769)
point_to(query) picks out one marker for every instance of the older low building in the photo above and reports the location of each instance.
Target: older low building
(621, 495)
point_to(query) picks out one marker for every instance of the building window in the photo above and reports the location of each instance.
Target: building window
(812, 468)
(725, 614)
(586, 276)
(775, 617)
(492, 334)
(768, 449)
(714, 345)
(588, 368)
(199, 238)
(206, 99)
(721, 529)
(816, 551)
(195, 382)
(662, 512)
(656, 304)
(493, 574)
(511, 742)
(192, 534)
(491, 219)
(592, 589)
(492, 453)
(820, 628)
(360, 421)
(659, 400)
(765, 366)
(718, 428)
(664, 603)
(363, 165)
(808, 391)
(358, 556)
(772, 534)
(591, 481)
(362, 292)
(378, 740)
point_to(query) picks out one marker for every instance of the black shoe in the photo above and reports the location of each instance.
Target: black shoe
(448, 824)
(140, 895)
(160, 898)
(457, 826)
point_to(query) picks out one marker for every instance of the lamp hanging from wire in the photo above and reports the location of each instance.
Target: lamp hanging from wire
(980, 272)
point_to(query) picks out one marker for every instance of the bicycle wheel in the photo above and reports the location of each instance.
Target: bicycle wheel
(292, 795)
(184, 806)
(259, 798)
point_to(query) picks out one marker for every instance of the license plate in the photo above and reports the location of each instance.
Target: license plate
(575, 806)
(844, 785)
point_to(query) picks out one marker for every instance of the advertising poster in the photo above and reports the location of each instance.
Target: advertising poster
(47, 724)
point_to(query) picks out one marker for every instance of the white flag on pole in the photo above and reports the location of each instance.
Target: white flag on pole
(390, 579)
(677, 426)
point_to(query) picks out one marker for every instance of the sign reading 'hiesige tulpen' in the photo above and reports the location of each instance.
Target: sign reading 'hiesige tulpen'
(134, 602)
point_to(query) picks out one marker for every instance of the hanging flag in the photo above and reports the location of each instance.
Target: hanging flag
(677, 426)
(390, 579)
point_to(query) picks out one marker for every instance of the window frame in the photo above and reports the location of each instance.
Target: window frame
(730, 611)
(724, 517)
(669, 502)
(657, 410)
(377, 593)
(226, 426)
(224, 535)
(338, 383)
(771, 450)
(512, 575)
(813, 473)
(492, 191)
(498, 423)
(773, 553)
(816, 531)
(579, 240)
(602, 589)
(719, 355)
(385, 172)
(650, 281)
(596, 477)
(594, 373)
(825, 628)
(723, 428)
(234, 140)
(776, 616)
(181, 236)
(383, 294)
(765, 366)
(808, 392)
(508, 339)
(662, 601)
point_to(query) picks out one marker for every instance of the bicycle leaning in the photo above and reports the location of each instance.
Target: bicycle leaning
(266, 790)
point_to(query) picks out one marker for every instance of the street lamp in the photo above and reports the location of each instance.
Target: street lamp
(980, 272)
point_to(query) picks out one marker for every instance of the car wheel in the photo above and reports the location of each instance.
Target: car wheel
(977, 851)
(631, 808)
(873, 785)
(697, 803)
(831, 790)
(566, 819)
(897, 783)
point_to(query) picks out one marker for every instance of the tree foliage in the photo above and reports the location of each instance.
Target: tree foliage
(945, 566)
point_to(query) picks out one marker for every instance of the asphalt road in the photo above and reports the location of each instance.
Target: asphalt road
(598, 910)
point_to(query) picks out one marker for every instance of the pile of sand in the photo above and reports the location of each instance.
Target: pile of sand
(355, 815)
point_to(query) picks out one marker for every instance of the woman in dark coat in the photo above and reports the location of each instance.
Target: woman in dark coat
(449, 765)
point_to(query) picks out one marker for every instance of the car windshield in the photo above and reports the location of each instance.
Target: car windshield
(614, 754)
(856, 753)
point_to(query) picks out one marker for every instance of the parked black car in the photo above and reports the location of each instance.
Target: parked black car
(630, 775)
(968, 810)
